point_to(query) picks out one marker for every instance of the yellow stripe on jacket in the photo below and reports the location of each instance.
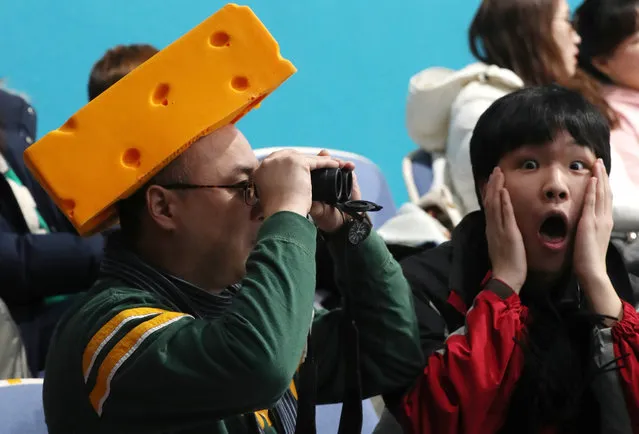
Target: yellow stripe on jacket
(107, 331)
(122, 351)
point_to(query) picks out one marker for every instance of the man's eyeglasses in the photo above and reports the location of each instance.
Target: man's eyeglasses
(250, 192)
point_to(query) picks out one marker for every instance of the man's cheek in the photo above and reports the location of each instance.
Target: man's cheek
(519, 207)
(579, 197)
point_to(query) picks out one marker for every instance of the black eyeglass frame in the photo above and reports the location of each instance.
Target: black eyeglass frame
(250, 199)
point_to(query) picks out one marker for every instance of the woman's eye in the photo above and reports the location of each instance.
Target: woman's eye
(529, 165)
(577, 165)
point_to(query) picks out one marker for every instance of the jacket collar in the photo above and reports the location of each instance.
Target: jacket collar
(124, 265)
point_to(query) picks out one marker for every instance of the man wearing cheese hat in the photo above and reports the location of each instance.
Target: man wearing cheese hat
(202, 320)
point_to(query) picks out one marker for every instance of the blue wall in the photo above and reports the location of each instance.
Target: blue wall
(354, 59)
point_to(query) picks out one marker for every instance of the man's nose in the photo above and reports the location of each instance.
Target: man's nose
(555, 188)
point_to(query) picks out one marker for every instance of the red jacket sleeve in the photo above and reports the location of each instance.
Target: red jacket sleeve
(626, 346)
(466, 387)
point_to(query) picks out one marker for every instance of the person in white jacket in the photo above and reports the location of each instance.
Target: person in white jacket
(518, 43)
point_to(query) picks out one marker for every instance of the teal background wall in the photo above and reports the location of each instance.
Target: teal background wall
(354, 60)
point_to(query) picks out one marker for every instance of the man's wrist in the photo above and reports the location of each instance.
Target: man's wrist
(507, 278)
(499, 287)
(597, 275)
(594, 279)
(602, 296)
(342, 222)
(271, 210)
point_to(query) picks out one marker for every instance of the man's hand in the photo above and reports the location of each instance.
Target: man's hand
(591, 244)
(326, 217)
(595, 227)
(505, 244)
(283, 181)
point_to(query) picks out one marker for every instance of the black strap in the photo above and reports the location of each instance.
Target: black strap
(352, 414)
(307, 393)
(351, 417)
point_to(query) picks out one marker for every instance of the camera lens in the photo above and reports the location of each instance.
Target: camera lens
(332, 185)
(327, 185)
(339, 184)
(347, 186)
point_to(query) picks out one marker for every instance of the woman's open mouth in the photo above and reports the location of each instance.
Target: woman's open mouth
(553, 231)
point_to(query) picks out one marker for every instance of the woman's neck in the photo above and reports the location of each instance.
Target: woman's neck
(544, 287)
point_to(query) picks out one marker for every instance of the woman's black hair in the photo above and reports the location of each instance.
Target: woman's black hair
(603, 25)
(535, 116)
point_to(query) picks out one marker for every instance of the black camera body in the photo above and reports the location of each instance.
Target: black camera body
(335, 187)
(332, 186)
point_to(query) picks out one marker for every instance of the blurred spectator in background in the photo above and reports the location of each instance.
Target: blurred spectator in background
(42, 259)
(610, 53)
(13, 356)
(41, 256)
(115, 64)
(518, 43)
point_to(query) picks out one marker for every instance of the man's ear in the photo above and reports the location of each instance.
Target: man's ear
(160, 204)
(482, 190)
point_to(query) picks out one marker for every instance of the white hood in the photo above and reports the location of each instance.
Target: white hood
(432, 92)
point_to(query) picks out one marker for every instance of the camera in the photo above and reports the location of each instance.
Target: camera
(332, 186)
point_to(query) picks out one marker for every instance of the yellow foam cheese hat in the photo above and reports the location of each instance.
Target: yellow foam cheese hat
(210, 77)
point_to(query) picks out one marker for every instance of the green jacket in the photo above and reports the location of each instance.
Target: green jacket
(122, 361)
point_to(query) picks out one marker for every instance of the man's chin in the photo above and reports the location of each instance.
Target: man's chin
(550, 263)
(548, 273)
(240, 274)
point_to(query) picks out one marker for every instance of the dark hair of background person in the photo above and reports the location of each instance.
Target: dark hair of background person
(603, 25)
(518, 35)
(115, 64)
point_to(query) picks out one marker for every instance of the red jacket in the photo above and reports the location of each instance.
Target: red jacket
(473, 360)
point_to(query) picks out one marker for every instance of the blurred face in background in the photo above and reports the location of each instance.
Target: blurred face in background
(566, 38)
(533, 38)
(609, 31)
(622, 65)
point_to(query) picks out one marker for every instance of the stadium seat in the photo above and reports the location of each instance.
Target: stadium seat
(21, 409)
(371, 180)
(425, 177)
(417, 168)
